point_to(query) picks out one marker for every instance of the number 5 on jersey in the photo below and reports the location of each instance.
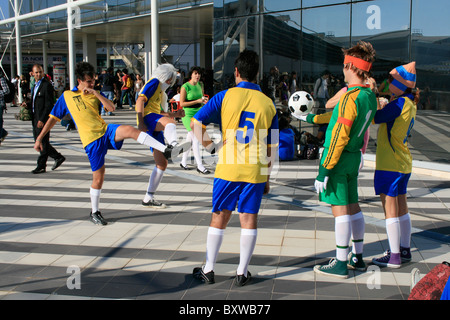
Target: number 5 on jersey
(245, 122)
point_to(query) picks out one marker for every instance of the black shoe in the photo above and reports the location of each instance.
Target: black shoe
(206, 277)
(241, 280)
(168, 152)
(4, 136)
(185, 167)
(204, 171)
(58, 162)
(153, 203)
(97, 218)
(38, 170)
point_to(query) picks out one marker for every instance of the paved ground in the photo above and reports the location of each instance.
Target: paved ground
(48, 246)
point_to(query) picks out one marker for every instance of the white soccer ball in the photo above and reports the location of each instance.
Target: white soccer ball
(301, 103)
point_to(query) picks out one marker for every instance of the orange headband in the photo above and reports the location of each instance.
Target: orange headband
(358, 63)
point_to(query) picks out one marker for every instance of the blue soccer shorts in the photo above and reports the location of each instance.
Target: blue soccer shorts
(246, 196)
(97, 150)
(151, 120)
(391, 183)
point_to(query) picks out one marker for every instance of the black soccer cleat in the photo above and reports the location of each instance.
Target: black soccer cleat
(241, 280)
(97, 218)
(206, 277)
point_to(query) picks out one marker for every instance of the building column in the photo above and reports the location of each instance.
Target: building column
(18, 46)
(147, 53)
(90, 49)
(108, 55)
(71, 59)
(156, 46)
(206, 53)
(45, 56)
(11, 61)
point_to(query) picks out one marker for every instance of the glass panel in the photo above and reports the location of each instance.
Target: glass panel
(315, 3)
(431, 51)
(234, 8)
(230, 37)
(324, 36)
(385, 24)
(280, 5)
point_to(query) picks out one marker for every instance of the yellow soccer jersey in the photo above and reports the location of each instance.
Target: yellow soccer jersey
(249, 125)
(84, 109)
(396, 120)
(151, 92)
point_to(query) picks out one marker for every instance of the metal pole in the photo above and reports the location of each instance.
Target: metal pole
(155, 34)
(45, 56)
(18, 46)
(72, 55)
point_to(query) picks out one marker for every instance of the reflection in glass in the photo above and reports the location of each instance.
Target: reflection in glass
(325, 32)
(431, 51)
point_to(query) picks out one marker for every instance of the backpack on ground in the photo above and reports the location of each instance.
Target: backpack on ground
(24, 114)
(431, 286)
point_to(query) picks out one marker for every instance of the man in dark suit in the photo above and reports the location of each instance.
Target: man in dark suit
(42, 101)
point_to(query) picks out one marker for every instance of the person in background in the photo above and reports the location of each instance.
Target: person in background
(192, 99)
(4, 90)
(42, 101)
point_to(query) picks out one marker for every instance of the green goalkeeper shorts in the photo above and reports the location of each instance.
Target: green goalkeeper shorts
(342, 186)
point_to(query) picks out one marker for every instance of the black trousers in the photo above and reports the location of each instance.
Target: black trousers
(47, 148)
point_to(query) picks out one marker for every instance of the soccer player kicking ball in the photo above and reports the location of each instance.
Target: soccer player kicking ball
(337, 181)
(82, 103)
(247, 118)
(152, 120)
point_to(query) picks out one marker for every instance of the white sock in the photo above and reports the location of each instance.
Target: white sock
(358, 230)
(187, 154)
(95, 199)
(170, 133)
(151, 142)
(213, 243)
(393, 233)
(343, 231)
(153, 183)
(197, 155)
(405, 230)
(247, 245)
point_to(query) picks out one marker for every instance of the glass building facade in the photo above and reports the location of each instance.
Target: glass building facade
(307, 36)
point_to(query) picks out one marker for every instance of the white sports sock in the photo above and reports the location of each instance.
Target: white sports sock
(358, 230)
(405, 230)
(342, 230)
(151, 142)
(187, 154)
(197, 155)
(95, 199)
(170, 133)
(393, 233)
(213, 243)
(153, 183)
(247, 245)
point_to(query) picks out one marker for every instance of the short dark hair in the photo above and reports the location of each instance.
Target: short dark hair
(198, 69)
(83, 69)
(247, 63)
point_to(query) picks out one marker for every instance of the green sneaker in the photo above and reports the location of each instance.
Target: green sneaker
(334, 268)
(356, 262)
